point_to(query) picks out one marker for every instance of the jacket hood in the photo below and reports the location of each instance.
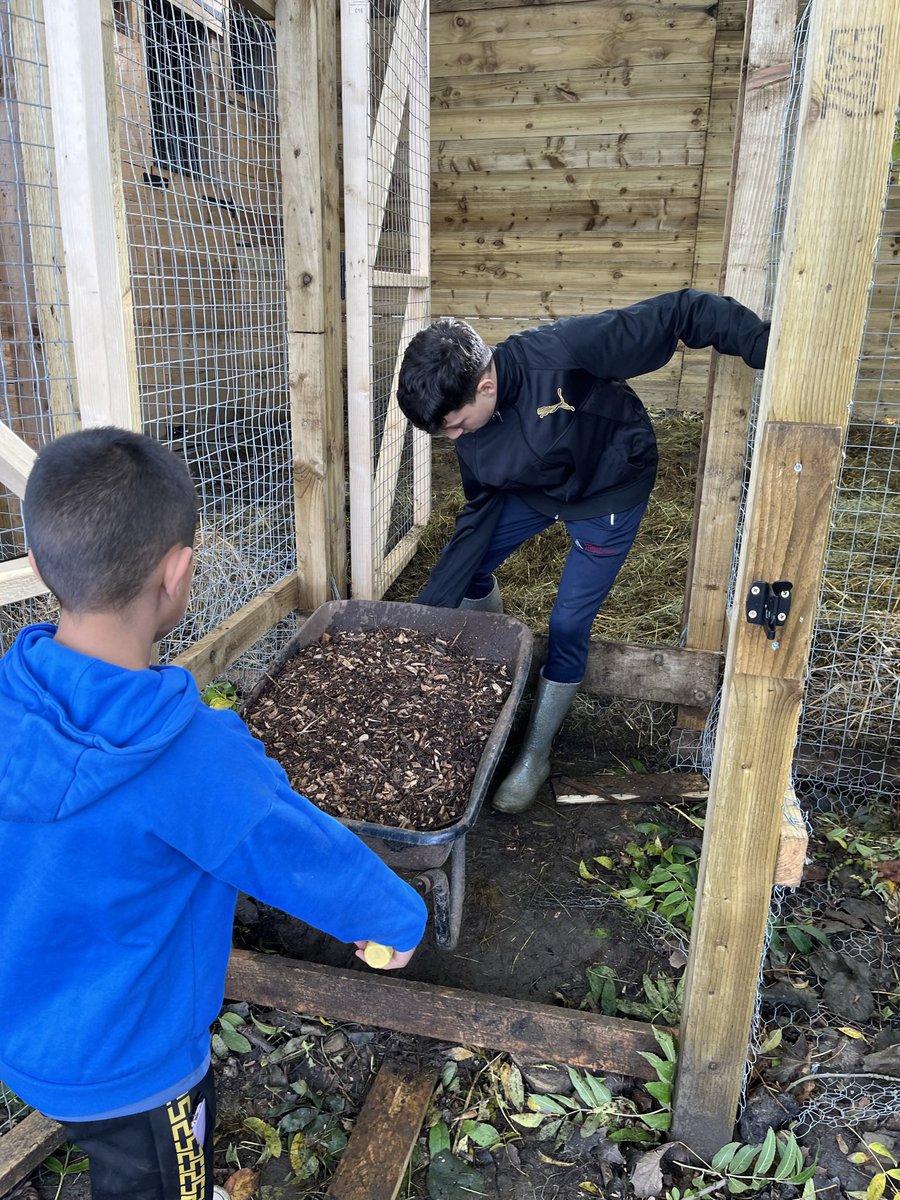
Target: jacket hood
(77, 727)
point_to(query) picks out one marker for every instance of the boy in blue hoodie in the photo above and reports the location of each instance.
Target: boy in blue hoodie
(130, 816)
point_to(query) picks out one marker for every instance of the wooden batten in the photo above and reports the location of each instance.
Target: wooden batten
(846, 126)
(744, 275)
(792, 844)
(42, 205)
(81, 58)
(19, 582)
(307, 106)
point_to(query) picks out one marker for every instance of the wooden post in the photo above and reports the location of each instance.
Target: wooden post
(305, 46)
(768, 46)
(35, 128)
(81, 62)
(840, 172)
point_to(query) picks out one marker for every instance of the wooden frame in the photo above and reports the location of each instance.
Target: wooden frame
(846, 125)
(767, 54)
(369, 164)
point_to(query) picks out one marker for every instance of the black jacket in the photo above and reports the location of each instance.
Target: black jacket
(569, 435)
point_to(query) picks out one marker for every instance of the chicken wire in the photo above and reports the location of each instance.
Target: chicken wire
(848, 726)
(387, 219)
(199, 143)
(847, 743)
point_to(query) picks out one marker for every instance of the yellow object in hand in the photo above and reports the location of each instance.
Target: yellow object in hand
(376, 955)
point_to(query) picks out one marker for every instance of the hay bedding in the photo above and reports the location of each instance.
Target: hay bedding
(385, 726)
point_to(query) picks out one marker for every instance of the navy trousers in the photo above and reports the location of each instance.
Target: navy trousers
(599, 547)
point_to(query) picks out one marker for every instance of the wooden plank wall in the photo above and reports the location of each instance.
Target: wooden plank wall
(581, 156)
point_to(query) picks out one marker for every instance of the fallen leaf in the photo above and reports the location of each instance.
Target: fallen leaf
(242, 1184)
(646, 1177)
(890, 870)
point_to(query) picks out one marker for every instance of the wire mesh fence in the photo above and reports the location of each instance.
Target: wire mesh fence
(199, 143)
(387, 215)
(37, 380)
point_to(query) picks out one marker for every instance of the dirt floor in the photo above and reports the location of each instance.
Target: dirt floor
(535, 927)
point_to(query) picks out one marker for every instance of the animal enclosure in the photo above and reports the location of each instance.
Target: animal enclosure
(172, 261)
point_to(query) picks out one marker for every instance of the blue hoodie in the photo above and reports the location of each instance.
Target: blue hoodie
(130, 815)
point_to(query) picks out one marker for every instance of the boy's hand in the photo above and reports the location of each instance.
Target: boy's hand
(397, 960)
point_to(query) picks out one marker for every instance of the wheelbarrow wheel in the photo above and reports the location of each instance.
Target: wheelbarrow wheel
(446, 896)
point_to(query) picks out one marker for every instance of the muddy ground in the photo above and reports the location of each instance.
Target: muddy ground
(532, 928)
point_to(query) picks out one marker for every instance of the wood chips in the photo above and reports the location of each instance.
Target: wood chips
(385, 726)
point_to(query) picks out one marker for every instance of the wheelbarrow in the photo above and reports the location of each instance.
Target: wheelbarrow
(491, 636)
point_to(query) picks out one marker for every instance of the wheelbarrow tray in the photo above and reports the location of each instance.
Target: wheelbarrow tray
(491, 636)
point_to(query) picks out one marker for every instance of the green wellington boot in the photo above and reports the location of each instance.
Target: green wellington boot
(492, 602)
(532, 766)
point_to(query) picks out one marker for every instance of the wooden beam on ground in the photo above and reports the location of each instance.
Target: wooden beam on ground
(214, 653)
(768, 46)
(629, 788)
(81, 60)
(446, 1014)
(19, 582)
(663, 673)
(306, 49)
(25, 1146)
(845, 130)
(384, 1136)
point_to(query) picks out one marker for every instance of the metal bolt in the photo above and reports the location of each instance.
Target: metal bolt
(798, 467)
(782, 616)
(784, 595)
(774, 645)
(751, 613)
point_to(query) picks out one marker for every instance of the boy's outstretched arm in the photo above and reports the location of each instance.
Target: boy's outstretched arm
(261, 837)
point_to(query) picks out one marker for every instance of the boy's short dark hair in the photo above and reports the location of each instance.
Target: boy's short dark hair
(440, 372)
(102, 507)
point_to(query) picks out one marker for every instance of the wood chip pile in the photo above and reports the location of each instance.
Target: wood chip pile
(385, 726)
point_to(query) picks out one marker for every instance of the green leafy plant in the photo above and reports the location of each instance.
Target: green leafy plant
(221, 695)
(65, 1166)
(864, 850)
(662, 1088)
(662, 1003)
(660, 878)
(790, 937)
(750, 1167)
(309, 1127)
(591, 1106)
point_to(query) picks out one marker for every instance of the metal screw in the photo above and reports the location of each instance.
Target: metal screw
(774, 645)
(751, 613)
(784, 595)
(798, 467)
(754, 591)
(782, 616)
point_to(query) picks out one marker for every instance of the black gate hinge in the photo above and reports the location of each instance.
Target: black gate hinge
(768, 604)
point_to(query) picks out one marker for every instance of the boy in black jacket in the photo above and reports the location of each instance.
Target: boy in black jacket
(547, 428)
